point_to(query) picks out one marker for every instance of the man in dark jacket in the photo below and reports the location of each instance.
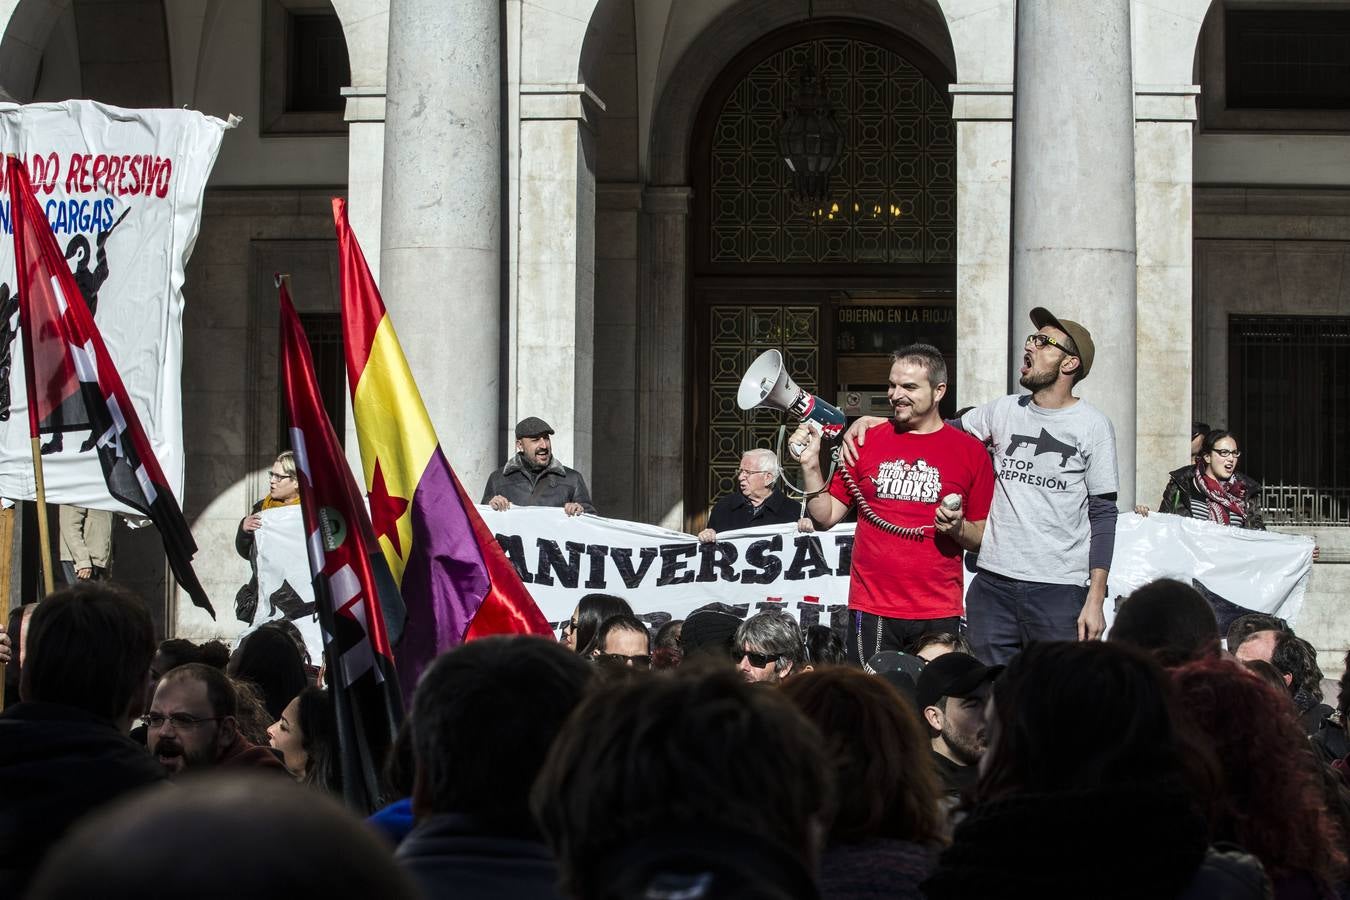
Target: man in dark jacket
(533, 477)
(64, 749)
(758, 502)
(192, 724)
(490, 707)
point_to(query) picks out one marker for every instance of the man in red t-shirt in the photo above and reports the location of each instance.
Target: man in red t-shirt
(904, 585)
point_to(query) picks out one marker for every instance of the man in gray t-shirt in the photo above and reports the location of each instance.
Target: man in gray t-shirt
(1048, 541)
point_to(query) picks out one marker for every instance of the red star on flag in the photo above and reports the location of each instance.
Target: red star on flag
(386, 510)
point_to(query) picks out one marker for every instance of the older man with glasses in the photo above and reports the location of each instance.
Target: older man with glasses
(759, 500)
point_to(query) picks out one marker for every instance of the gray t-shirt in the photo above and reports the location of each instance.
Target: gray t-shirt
(1047, 462)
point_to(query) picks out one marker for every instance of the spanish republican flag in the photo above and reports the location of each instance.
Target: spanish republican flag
(456, 582)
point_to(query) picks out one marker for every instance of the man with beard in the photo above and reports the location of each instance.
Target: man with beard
(951, 695)
(533, 477)
(907, 583)
(1051, 532)
(191, 724)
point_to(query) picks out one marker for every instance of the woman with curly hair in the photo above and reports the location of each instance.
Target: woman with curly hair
(887, 831)
(1273, 804)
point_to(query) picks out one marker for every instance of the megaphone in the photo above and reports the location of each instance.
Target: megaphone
(766, 384)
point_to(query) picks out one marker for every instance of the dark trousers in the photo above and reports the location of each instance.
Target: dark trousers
(1003, 615)
(869, 634)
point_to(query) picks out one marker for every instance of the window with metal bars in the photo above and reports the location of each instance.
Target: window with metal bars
(1289, 406)
(1287, 58)
(324, 331)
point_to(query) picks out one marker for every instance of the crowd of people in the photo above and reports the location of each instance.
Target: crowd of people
(938, 746)
(717, 757)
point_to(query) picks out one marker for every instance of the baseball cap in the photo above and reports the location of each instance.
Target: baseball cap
(532, 426)
(953, 675)
(894, 661)
(1081, 337)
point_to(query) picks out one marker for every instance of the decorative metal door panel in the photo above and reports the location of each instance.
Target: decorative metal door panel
(736, 335)
(893, 193)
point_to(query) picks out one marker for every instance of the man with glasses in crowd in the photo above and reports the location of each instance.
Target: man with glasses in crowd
(624, 642)
(768, 647)
(758, 502)
(192, 724)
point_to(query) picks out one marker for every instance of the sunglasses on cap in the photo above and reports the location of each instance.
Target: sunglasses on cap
(758, 660)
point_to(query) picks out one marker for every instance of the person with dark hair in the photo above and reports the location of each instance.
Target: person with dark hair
(666, 650)
(768, 647)
(306, 738)
(270, 660)
(580, 631)
(623, 641)
(950, 696)
(1261, 629)
(1169, 619)
(1296, 661)
(395, 819)
(63, 748)
(887, 827)
(484, 716)
(1089, 789)
(822, 646)
(193, 724)
(177, 652)
(665, 784)
(220, 838)
(905, 577)
(1333, 741)
(1273, 803)
(1198, 432)
(1212, 489)
(934, 644)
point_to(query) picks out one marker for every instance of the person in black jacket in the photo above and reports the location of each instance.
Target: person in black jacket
(483, 719)
(1212, 489)
(64, 749)
(534, 477)
(758, 502)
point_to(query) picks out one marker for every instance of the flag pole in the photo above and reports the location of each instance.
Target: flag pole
(44, 531)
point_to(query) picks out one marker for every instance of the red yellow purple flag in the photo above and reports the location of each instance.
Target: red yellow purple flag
(456, 582)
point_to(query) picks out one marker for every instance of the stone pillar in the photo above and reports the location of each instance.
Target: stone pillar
(1073, 194)
(1165, 119)
(984, 143)
(441, 242)
(552, 359)
(662, 437)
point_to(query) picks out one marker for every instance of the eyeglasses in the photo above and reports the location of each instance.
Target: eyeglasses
(749, 472)
(179, 721)
(1228, 454)
(568, 627)
(758, 660)
(278, 476)
(642, 661)
(1040, 340)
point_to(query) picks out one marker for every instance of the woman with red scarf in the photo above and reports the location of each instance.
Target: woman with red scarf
(1213, 489)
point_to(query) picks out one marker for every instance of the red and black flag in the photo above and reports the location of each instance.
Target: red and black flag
(65, 359)
(342, 547)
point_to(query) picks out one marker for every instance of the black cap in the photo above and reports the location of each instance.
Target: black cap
(708, 631)
(533, 426)
(895, 661)
(953, 675)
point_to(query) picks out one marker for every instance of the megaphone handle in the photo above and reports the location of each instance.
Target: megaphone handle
(798, 449)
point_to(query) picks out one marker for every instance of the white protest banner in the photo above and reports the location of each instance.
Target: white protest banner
(666, 574)
(1239, 571)
(122, 191)
(285, 586)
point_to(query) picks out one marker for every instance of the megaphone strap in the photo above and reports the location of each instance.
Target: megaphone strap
(869, 515)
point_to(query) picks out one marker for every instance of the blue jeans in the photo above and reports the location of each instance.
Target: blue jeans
(1003, 615)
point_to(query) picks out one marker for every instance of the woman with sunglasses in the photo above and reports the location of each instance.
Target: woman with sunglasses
(1213, 489)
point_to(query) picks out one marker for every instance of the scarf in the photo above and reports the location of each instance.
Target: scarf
(1224, 498)
(269, 503)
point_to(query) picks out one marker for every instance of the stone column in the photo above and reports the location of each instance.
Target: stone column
(662, 386)
(984, 143)
(552, 360)
(1165, 119)
(441, 242)
(1073, 194)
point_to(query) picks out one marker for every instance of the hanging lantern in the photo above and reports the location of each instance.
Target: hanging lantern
(811, 142)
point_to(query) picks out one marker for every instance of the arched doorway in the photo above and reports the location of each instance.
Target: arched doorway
(835, 288)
